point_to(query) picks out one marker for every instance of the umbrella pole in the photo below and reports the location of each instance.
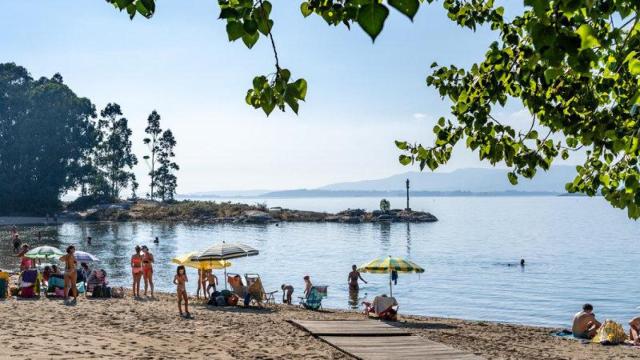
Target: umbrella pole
(390, 283)
(225, 277)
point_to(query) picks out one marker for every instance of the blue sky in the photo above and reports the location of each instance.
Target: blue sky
(361, 96)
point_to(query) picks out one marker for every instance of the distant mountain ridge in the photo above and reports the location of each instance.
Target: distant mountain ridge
(462, 182)
(476, 180)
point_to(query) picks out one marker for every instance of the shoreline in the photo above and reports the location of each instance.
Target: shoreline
(148, 328)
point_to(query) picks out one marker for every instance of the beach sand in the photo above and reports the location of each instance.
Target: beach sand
(152, 329)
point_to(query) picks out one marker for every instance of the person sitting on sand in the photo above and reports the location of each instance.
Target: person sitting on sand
(25, 262)
(180, 280)
(287, 292)
(70, 274)
(634, 330)
(55, 270)
(212, 280)
(585, 324)
(307, 286)
(354, 275)
(136, 271)
(147, 269)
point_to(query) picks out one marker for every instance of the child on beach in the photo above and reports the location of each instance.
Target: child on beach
(212, 280)
(180, 280)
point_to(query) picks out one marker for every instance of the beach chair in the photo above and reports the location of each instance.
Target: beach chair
(256, 289)
(314, 300)
(383, 308)
(4, 285)
(237, 287)
(29, 284)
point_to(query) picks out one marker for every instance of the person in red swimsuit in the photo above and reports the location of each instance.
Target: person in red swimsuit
(147, 269)
(136, 271)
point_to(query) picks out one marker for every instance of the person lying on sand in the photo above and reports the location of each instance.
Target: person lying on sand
(634, 331)
(585, 324)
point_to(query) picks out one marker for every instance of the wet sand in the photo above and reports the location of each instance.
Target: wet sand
(152, 329)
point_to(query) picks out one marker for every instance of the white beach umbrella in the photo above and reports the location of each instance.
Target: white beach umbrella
(83, 256)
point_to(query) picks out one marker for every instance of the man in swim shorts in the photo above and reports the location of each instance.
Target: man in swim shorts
(585, 324)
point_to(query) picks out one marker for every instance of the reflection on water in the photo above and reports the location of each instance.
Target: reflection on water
(461, 254)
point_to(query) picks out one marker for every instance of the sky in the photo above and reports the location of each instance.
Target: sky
(361, 96)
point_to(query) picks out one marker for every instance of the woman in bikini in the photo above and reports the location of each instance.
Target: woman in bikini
(136, 271)
(180, 280)
(25, 262)
(147, 269)
(70, 274)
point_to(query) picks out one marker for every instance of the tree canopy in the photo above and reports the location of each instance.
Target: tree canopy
(574, 65)
(46, 132)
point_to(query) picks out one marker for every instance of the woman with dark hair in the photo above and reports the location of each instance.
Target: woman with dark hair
(70, 274)
(25, 262)
(136, 271)
(180, 280)
(147, 269)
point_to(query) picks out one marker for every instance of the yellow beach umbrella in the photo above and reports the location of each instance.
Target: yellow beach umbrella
(185, 259)
(389, 264)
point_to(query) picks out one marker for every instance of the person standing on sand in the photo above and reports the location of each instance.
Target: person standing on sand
(199, 284)
(287, 292)
(136, 271)
(585, 324)
(70, 274)
(212, 281)
(180, 280)
(147, 269)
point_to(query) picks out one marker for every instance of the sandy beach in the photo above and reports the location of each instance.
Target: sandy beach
(152, 329)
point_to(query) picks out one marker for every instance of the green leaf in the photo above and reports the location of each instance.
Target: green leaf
(250, 27)
(634, 67)
(292, 102)
(123, 3)
(405, 160)
(513, 179)
(304, 9)
(265, 26)
(250, 39)
(402, 145)
(301, 87)
(371, 19)
(551, 74)
(588, 40)
(235, 30)
(407, 7)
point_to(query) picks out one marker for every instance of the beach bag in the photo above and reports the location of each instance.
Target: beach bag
(117, 293)
(27, 292)
(610, 333)
(232, 300)
(4, 288)
(212, 298)
(97, 292)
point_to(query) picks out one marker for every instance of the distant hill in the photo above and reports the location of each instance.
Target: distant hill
(465, 180)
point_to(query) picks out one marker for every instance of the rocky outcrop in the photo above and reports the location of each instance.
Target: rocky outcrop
(213, 213)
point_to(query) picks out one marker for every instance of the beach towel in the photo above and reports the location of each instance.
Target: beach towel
(55, 282)
(30, 276)
(383, 303)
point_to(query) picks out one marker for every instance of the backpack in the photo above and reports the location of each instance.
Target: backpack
(101, 292)
(610, 333)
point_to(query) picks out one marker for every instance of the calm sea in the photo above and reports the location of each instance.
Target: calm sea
(577, 250)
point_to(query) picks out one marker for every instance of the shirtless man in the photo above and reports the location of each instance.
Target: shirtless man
(634, 331)
(585, 324)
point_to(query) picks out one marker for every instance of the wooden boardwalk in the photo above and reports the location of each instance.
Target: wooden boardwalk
(375, 340)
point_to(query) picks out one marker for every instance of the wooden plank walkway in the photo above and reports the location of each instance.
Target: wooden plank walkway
(396, 347)
(349, 328)
(376, 340)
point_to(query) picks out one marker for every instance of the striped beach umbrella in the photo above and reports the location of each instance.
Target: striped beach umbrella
(44, 252)
(389, 264)
(225, 251)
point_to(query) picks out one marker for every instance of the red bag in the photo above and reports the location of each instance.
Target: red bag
(232, 300)
(27, 292)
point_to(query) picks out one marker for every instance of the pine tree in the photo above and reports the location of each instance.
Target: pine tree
(154, 131)
(114, 158)
(166, 180)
